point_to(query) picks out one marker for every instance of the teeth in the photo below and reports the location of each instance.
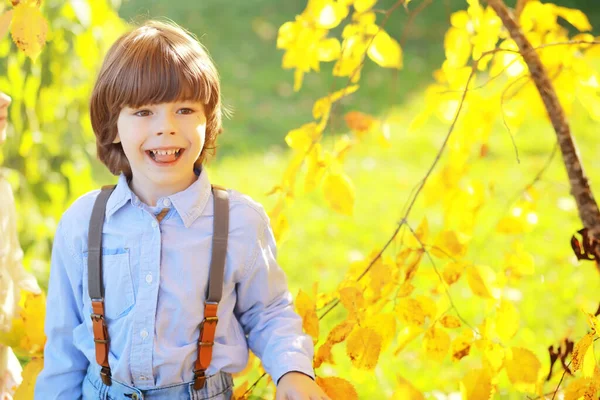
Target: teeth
(165, 152)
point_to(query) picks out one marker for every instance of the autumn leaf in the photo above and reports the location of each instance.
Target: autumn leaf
(589, 363)
(406, 391)
(337, 388)
(481, 280)
(363, 5)
(461, 345)
(306, 308)
(453, 271)
(507, 320)
(450, 244)
(29, 29)
(477, 385)
(436, 343)
(575, 17)
(450, 322)
(339, 193)
(352, 299)
(580, 349)
(522, 367)
(363, 347)
(29, 374)
(385, 325)
(385, 51)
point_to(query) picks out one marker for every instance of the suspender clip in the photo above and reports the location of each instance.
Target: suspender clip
(105, 375)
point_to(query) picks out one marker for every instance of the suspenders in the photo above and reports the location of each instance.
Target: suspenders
(215, 284)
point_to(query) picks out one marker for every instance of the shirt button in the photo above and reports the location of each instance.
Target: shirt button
(149, 278)
(144, 335)
(167, 202)
(154, 224)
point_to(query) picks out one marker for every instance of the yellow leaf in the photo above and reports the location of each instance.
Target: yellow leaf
(385, 51)
(385, 325)
(352, 299)
(477, 385)
(450, 322)
(589, 362)
(329, 49)
(406, 391)
(493, 355)
(410, 311)
(316, 168)
(26, 336)
(339, 193)
(575, 17)
(337, 388)
(405, 336)
(436, 343)
(457, 44)
(481, 280)
(461, 345)
(306, 308)
(363, 5)
(238, 394)
(363, 347)
(518, 261)
(522, 367)
(327, 14)
(29, 374)
(452, 271)
(507, 320)
(580, 349)
(359, 122)
(577, 389)
(5, 23)
(29, 29)
(450, 244)
(405, 290)
(299, 139)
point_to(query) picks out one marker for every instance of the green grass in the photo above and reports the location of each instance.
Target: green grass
(323, 244)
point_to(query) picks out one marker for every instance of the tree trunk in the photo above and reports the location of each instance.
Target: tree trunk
(580, 189)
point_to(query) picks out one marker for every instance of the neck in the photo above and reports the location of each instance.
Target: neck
(149, 192)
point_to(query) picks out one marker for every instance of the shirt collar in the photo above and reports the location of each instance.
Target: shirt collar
(189, 203)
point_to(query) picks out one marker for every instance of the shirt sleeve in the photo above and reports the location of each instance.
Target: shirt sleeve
(64, 365)
(265, 310)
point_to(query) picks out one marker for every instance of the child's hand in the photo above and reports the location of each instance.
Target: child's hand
(297, 386)
(4, 103)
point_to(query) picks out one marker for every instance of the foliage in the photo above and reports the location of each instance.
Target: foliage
(384, 283)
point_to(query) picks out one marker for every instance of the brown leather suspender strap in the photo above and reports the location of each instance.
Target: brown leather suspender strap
(215, 284)
(208, 326)
(95, 284)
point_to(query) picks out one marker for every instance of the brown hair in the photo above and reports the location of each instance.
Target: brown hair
(155, 63)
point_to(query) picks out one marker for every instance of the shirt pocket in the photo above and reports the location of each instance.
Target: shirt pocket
(119, 296)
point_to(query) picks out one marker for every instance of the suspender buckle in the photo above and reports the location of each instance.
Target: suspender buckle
(199, 379)
(205, 344)
(96, 317)
(105, 375)
(209, 320)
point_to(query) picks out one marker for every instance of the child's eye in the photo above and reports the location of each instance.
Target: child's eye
(142, 113)
(185, 111)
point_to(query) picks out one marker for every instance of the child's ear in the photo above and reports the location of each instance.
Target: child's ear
(117, 138)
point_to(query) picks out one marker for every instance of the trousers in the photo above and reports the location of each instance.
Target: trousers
(217, 387)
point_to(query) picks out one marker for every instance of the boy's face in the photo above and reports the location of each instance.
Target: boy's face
(162, 142)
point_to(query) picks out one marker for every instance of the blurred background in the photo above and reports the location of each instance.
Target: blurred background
(49, 157)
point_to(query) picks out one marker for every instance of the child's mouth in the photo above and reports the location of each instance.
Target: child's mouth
(165, 157)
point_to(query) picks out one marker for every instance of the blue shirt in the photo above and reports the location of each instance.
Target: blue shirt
(155, 279)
